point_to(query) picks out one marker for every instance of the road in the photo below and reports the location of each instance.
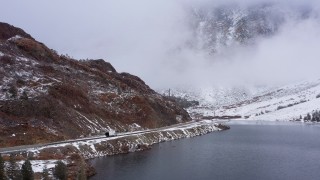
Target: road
(16, 149)
(26, 147)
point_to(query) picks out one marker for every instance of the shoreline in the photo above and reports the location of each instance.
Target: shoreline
(74, 152)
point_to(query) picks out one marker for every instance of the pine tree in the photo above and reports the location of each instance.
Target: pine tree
(308, 117)
(316, 116)
(2, 169)
(45, 173)
(12, 169)
(26, 170)
(60, 171)
(82, 172)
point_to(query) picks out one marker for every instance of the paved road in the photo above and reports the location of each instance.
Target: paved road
(35, 146)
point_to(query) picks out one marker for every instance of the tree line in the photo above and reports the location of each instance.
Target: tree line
(314, 116)
(12, 171)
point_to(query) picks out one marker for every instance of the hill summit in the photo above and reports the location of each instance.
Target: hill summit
(48, 97)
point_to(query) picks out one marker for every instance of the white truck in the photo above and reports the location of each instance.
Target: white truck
(110, 133)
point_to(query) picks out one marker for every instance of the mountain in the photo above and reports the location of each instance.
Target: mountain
(47, 97)
(289, 102)
(222, 30)
(217, 28)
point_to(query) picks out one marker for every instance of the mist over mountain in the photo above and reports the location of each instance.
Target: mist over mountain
(226, 26)
(184, 43)
(251, 44)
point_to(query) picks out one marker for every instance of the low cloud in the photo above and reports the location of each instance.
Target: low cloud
(290, 55)
(150, 39)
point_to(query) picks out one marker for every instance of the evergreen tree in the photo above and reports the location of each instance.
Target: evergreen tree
(2, 169)
(60, 171)
(26, 170)
(12, 169)
(308, 117)
(82, 172)
(316, 116)
(45, 173)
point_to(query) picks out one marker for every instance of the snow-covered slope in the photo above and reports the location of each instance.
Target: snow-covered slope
(215, 97)
(221, 30)
(282, 103)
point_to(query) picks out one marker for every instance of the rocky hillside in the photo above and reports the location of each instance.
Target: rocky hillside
(47, 97)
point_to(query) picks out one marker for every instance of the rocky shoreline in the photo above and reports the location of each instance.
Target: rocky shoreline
(73, 153)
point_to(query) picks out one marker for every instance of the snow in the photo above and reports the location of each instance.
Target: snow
(297, 99)
(136, 125)
(203, 126)
(23, 73)
(293, 112)
(38, 165)
(16, 37)
(94, 126)
(24, 59)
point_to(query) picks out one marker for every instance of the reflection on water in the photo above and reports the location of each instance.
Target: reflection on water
(249, 150)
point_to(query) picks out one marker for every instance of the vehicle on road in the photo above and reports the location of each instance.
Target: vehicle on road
(111, 133)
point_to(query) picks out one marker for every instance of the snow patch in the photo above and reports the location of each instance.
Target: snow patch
(39, 165)
(16, 37)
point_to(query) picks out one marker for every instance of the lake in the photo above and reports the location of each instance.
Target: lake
(249, 150)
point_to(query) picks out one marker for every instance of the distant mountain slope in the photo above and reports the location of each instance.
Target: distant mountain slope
(47, 97)
(282, 103)
(224, 30)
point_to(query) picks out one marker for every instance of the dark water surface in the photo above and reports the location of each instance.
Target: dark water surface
(247, 151)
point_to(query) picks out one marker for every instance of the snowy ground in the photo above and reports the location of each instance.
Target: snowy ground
(39, 165)
(281, 103)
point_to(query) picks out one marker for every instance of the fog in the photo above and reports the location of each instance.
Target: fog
(150, 39)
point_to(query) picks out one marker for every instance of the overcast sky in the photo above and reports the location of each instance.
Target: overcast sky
(136, 36)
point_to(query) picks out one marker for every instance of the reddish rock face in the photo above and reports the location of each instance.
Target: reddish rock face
(47, 97)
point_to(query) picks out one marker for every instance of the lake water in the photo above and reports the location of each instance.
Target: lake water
(255, 150)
